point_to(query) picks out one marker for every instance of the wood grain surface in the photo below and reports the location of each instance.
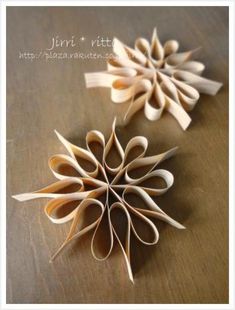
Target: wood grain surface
(189, 266)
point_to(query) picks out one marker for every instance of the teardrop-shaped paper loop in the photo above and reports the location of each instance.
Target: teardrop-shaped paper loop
(135, 142)
(124, 89)
(152, 209)
(66, 187)
(203, 85)
(151, 162)
(177, 59)
(64, 166)
(73, 233)
(143, 47)
(113, 142)
(178, 112)
(124, 247)
(125, 53)
(84, 158)
(140, 82)
(109, 235)
(170, 47)
(153, 113)
(95, 136)
(195, 67)
(144, 222)
(138, 141)
(157, 50)
(130, 59)
(188, 96)
(165, 175)
(145, 87)
(61, 203)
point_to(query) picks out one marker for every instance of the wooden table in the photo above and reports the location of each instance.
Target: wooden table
(189, 266)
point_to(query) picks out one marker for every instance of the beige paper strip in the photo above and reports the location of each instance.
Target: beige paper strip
(90, 177)
(154, 77)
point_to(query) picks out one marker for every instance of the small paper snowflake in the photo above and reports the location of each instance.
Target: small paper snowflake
(154, 77)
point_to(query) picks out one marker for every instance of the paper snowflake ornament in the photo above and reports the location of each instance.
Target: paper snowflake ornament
(154, 77)
(84, 187)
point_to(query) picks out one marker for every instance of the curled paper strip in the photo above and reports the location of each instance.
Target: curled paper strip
(88, 179)
(154, 77)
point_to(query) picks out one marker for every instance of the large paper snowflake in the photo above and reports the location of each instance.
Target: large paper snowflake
(86, 176)
(154, 77)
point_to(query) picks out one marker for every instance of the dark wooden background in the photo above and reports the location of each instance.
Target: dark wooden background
(188, 266)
